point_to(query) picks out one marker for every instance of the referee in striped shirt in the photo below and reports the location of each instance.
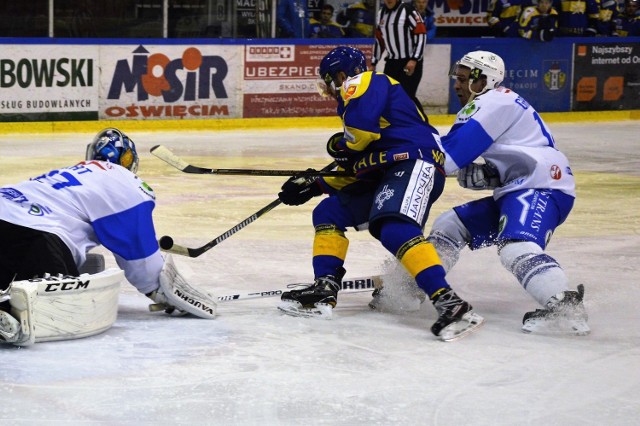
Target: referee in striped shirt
(401, 32)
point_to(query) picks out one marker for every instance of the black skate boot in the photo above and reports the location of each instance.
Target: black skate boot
(565, 314)
(455, 316)
(317, 300)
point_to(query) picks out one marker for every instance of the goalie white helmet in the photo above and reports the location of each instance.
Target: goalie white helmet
(482, 64)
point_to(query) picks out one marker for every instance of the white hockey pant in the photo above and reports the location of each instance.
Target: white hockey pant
(449, 236)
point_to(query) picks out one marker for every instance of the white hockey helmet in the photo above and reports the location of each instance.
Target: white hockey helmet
(482, 64)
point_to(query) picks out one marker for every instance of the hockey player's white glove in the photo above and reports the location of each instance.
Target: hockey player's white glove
(478, 176)
(175, 293)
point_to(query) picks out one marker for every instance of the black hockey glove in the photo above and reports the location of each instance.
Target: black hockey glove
(547, 35)
(299, 190)
(339, 154)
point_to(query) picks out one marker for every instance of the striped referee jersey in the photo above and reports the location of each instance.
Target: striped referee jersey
(400, 32)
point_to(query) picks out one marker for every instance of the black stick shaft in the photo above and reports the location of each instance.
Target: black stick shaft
(195, 252)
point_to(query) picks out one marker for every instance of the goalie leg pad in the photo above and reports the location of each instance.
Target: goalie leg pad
(183, 296)
(65, 307)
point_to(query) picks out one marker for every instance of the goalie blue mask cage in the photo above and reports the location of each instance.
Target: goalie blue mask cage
(115, 147)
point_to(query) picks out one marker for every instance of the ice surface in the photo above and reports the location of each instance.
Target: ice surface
(254, 366)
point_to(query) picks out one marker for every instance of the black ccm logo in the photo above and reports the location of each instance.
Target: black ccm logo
(61, 284)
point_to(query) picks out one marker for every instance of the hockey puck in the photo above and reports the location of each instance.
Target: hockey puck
(166, 242)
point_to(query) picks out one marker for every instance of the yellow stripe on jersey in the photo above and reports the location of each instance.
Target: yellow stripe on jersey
(339, 182)
(418, 254)
(330, 241)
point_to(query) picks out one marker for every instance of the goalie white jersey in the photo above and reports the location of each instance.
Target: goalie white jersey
(508, 133)
(92, 203)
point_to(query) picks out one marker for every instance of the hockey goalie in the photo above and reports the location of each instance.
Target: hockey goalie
(51, 222)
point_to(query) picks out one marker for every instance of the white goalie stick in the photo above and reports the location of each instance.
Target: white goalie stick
(166, 155)
(353, 285)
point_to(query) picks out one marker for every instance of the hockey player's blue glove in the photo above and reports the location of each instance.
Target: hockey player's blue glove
(299, 190)
(336, 147)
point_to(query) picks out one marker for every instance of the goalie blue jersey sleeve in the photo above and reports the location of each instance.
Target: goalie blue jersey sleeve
(507, 132)
(92, 203)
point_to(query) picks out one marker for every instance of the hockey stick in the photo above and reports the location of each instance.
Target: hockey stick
(167, 244)
(354, 285)
(169, 157)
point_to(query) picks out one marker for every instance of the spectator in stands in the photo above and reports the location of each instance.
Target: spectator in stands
(577, 18)
(539, 22)
(502, 17)
(359, 19)
(608, 11)
(427, 16)
(292, 19)
(326, 27)
(628, 20)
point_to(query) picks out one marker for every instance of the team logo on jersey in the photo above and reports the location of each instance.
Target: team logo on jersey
(383, 196)
(502, 223)
(555, 172)
(147, 190)
(38, 210)
(350, 91)
(13, 195)
(468, 111)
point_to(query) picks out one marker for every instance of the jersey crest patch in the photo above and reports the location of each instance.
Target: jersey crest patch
(383, 196)
(468, 111)
(351, 90)
(147, 190)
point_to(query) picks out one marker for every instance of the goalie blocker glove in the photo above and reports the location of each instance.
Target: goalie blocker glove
(298, 190)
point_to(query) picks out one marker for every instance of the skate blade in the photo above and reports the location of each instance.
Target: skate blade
(467, 324)
(556, 326)
(295, 309)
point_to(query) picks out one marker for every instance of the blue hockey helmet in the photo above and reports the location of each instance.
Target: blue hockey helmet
(347, 59)
(115, 147)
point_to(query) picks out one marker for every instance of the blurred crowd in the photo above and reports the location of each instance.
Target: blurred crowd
(531, 19)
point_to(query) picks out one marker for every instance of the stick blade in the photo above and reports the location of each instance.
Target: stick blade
(165, 154)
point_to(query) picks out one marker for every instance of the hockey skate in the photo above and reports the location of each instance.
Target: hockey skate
(565, 314)
(317, 300)
(456, 318)
(9, 328)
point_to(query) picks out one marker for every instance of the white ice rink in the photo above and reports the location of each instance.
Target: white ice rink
(254, 366)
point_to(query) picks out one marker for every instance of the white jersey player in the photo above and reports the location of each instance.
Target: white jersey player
(50, 222)
(533, 191)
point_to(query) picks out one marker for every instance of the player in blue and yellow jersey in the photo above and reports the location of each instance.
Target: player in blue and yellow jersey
(502, 17)
(578, 17)
(539, 22)
(397, 165)
(359, 19)
(628, 21)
